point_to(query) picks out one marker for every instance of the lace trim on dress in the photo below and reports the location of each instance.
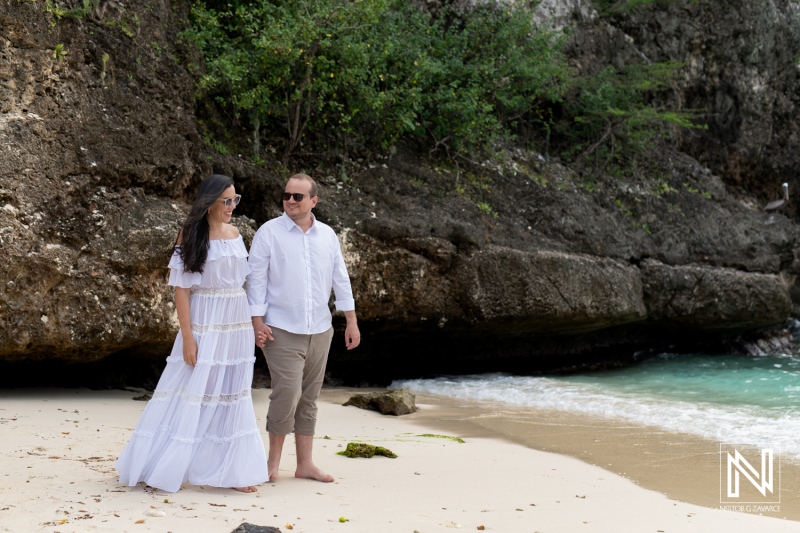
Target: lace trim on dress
(218, 440)
(148, 434)
(212, 362)
(219, 293)
(235, 326)
(201, 399)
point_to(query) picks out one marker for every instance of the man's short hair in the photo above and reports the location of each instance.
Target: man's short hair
(306, 177)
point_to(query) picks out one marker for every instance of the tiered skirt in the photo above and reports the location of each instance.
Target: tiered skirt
(200, 425)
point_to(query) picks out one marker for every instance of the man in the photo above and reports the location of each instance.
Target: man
(295, 260)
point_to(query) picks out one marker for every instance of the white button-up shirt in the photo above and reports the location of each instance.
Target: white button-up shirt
(292, 274)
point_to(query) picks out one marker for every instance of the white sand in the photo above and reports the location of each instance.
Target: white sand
(58, 449)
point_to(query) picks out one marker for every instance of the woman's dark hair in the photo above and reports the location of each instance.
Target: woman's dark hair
(193, 248)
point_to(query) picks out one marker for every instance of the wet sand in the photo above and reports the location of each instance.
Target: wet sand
(682, 466)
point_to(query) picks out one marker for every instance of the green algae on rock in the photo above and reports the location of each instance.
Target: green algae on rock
(362, 449)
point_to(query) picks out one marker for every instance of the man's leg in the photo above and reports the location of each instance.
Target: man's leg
(306, 468)
(286, 359)
(306, 414)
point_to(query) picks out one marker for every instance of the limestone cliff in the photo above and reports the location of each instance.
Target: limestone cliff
(529, 269)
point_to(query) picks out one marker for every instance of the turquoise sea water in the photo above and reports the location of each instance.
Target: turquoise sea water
(729, 399)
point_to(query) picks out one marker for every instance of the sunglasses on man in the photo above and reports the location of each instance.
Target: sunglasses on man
(298, 196)
(228, 201)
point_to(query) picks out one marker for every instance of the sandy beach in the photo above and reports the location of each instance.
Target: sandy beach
(58, 448)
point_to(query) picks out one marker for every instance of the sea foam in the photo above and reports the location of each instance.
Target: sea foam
(721, 398)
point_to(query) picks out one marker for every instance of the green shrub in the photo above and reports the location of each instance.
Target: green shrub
(59, 52)
(609, 122)
(59, 8)
(373, 71)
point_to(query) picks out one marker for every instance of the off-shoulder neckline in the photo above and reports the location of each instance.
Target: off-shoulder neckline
(223, 240)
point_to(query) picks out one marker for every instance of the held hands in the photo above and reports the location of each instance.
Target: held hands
(189, 351)
(262, 331)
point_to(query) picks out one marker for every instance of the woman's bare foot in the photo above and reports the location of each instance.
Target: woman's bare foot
(246, 489)
(312, 472)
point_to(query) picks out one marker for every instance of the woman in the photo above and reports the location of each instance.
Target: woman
(200, 426)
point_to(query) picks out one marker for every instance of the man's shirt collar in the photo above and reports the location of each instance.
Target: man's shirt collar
(291, 223)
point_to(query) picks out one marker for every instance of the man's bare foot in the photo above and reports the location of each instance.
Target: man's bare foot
(246, 489)
(312, 472)
(273, 471)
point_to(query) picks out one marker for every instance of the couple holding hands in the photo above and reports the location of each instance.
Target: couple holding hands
(200, 425)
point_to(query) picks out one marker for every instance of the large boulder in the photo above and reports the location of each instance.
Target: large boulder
(701, 297)
(551, 292)
(496, 287)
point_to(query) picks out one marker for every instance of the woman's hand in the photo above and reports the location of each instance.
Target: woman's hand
(189, 351)
(262, 332)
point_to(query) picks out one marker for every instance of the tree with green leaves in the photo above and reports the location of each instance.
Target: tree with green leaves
(373, 71)
(609, 120)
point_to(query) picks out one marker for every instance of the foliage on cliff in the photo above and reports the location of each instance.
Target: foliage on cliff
(608, 123)
(321, 76)
(327, 72)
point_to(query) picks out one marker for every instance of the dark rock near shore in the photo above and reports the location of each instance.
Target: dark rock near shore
(390, 402)
(252, 528)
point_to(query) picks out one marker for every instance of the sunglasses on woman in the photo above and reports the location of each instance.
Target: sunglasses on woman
(228, 201)
(298, 196)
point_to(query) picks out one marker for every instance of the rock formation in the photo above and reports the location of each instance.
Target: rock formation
(101, 152)
(395, 402)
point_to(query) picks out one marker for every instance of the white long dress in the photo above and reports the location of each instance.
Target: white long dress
(200, 425)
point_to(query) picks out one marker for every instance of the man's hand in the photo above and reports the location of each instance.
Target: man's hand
(352, 337)
(262, 331)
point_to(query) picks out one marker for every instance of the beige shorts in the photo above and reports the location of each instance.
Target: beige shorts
(297, 367)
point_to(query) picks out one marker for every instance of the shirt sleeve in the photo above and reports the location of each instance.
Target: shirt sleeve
(257, 278)
(178, 277)
(341, 281)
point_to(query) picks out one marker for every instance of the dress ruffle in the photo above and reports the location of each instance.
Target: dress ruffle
(227, 250)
